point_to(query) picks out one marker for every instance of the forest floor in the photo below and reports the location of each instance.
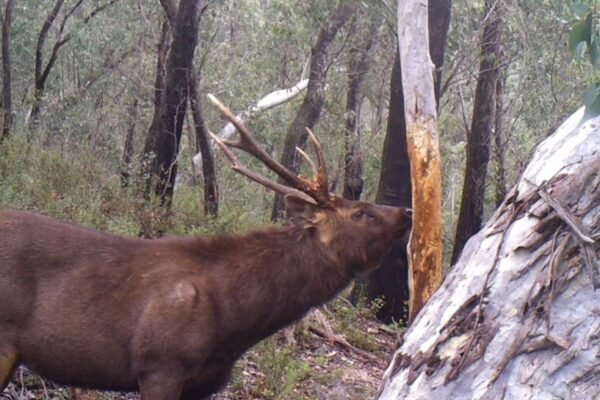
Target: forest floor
(338, 353)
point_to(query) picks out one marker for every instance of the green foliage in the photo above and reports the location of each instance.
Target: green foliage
(77, 187)
(584, 42)
(346, 317)
(542, 87)
(282, 370)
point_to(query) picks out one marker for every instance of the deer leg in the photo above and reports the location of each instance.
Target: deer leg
(163, 384)
(9, 359)
(203, 392)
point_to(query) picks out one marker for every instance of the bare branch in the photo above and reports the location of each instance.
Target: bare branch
(98, 10)
(248, 143)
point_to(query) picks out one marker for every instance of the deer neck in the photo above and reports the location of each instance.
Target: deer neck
(286, 273)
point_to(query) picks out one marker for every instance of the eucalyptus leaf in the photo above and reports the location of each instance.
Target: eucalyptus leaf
(591, 99)
(581, 32)
(580, 9)
(592, 110)
(595, 52)
(580, 50)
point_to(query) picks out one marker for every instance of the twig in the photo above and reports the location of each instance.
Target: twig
(340, 341)
(584, 239)
(566, 215)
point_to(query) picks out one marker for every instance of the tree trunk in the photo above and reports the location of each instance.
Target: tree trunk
(517, 317)
(128, 150)
(42, 72)
(162, 143)
(211, 189)
(439, 12)
(390, 281)
(420, 109)
(358, 66)
(479, 136)
(310, 110)
(40, 76)
(7, 119)
(500, 141)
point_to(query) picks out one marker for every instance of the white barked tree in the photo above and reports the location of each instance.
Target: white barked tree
(518, 316)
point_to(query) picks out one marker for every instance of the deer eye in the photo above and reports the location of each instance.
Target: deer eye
(358, 215)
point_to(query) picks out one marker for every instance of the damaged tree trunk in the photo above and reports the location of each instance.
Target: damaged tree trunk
(420, 109)
(518, 316)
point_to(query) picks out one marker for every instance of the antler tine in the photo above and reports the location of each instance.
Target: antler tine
(237, 166)
(322, 179)
(310, 162)
(248, 143)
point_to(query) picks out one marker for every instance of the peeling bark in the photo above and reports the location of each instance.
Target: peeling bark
(518, 315)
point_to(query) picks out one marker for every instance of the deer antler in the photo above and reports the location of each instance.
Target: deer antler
(315, 192)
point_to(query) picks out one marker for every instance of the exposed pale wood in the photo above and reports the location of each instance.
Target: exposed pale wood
(425, 245)
(518, 318)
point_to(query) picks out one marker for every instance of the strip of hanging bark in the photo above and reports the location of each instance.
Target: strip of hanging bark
(585, 241)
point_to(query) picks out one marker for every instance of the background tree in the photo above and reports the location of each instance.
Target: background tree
(211, 189)
(7, 109)
(358, 67)
(162, 142)
(310, 110)
(43, 71)
(479, 136)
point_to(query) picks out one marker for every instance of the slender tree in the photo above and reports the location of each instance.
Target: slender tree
(42, 71)
(211, 189)
(358, 67)
(480, 134)
(499, 142)
(164, 135)
(310, 110)
(7, 119)
(128, 149)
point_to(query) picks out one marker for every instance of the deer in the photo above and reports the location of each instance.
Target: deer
(169, 317)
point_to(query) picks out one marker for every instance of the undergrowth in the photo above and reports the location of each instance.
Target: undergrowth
(80, 187)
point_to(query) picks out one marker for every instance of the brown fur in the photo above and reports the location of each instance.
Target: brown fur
(170, 317)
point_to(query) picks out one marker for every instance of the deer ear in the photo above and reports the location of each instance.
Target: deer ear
(302, 213)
